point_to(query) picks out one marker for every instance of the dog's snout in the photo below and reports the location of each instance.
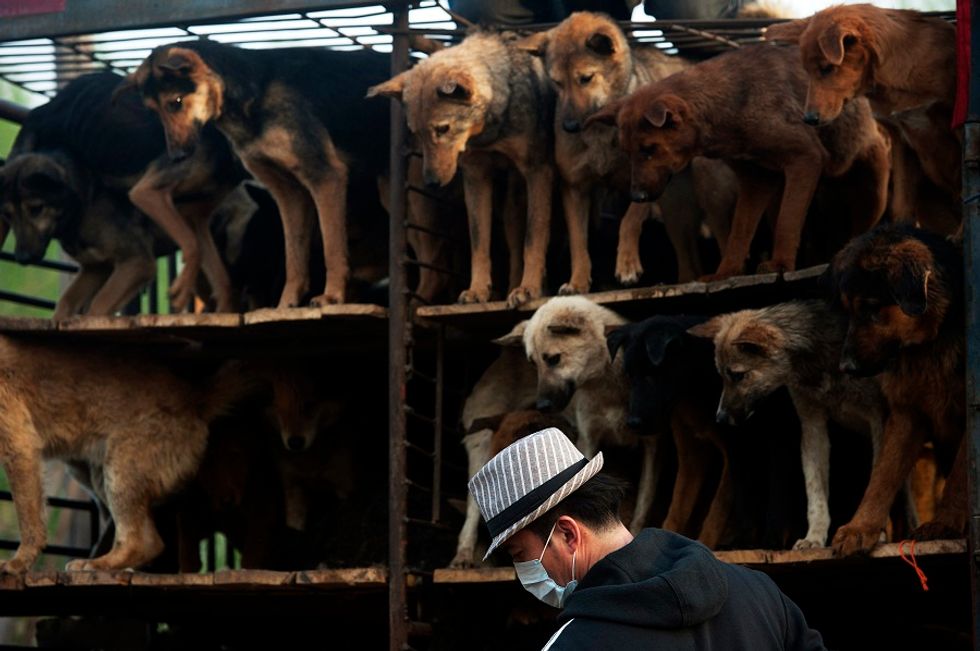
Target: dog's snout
(178, 154)
(296, 443)
(571, 126)
(431, 180)
(639, 196)
(724, 417)
(812, 118)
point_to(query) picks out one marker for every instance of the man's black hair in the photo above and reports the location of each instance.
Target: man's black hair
(595, 504)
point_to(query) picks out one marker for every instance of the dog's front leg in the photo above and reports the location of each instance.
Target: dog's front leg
(755, 190)
(22, 463)
(478, 190)
(628, 265)
(691, 466)
(716, 522)
(576, 199)
(815, 454)
(903, 437)
(81, 290)
(952, 513)
(646, 485)
(295, 209)
(802, 176)
(478, 452)
(328, 187)
(124, 283)
(540, 185)
(199, 214)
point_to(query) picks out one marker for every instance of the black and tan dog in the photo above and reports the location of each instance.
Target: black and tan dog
(903, 291)
(297, 120)
(108, 135)
(673, 385)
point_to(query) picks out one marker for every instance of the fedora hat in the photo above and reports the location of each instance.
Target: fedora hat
(526, 479)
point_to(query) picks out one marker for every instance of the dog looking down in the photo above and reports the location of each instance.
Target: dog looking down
(744, 107)
(902, 289)
(297, 120)
(140, 429)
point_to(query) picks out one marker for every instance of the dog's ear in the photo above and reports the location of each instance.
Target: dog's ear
(616, 338)
(133, 81)
(908, 276)
(606, 115)
(756, 339)
(513, 338)
(536, 44)
(834, 42)
(601, 43)
(177, 62)
(707, 330)
(788, 32)
(459, 88)
(486, 422)
(392, 88)
(658, 115)
(657, 346)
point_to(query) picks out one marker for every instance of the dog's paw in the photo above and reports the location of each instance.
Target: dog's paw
(519, 296)
(853, 539)
(78, 565)
(471, 295)
(570, 289)
(935, 530)
(718, 275)
(808, 543)
(773, 267)
(628, 269)
(15, 566)
(463, 559)
(328, 298)
(181, 296)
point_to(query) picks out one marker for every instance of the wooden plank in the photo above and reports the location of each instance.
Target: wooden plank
(11, 582)
(475, 575)
(223, 320)
(95, 578)
(146, 580)
(15, 324)
(85, 323)
(358, 576)
(253, 578)
(280, 315)
(44, 579)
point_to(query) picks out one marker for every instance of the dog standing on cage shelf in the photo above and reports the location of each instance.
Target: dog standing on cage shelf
(902, 289)
(484, 105)
(297, 119)
(140, 428)
(904, 62)
(591, 64)
(797, 345)
(109, 137)
(744, 107)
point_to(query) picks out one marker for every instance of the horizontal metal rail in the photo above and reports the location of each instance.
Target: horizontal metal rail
(13, 297)
(55, 265)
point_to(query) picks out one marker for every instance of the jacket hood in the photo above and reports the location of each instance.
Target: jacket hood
(660, 580)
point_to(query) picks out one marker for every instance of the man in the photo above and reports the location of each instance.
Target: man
(545, 504)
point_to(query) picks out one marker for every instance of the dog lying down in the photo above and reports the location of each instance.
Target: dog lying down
(139, 429)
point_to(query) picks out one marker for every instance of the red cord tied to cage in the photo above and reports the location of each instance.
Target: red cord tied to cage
(910, 559)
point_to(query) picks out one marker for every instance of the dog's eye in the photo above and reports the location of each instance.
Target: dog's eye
(736, 376)
(551, 360)
(648, 151)
(441, 129)
(584, 79)
(826, 69)
(175, 104)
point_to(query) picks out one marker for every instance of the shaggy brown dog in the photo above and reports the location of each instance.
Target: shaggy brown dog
(903, 291)
(744, 107)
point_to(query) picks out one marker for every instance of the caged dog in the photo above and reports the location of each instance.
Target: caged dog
(743, 107)
(483, 105)
(565, 339)
(796, 345)
(297, 120)
(904, 62)
(590, 63)
(902, 290)
(139, 446)
(673, 385)
(106, 142)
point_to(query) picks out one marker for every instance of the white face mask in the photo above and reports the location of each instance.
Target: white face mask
(535, 579)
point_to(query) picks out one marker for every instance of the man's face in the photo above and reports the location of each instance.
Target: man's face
(525, 545)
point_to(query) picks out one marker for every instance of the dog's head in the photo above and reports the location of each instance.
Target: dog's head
(566, 342)
(183, 90)
(657, 355)
(893, 286)
(445, 105)
(838, 51)
(657, 133)
(37, 199)
(751, 357)
(587, 59)
(299, 408)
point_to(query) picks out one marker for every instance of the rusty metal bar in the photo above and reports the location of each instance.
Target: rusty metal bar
(398, 343)
(437, 428)
(971, 253)
(13, 111)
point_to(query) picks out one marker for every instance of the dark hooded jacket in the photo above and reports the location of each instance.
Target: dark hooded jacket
(664, 591)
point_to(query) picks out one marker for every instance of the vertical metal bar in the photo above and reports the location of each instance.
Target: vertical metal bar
(398, 343)
(971, 256)
(437, 421)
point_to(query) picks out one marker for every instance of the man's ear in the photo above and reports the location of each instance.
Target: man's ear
(788, 32)
(513, 338)
(536, 44)
(392, 88)
(707, 330)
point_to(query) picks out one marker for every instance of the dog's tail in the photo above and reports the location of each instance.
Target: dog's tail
(231, 383)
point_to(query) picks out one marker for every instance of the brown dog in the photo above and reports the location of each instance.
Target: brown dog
(591, 64)
(903, 291)
(140, 429)
(902, 61)
(744, 107)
